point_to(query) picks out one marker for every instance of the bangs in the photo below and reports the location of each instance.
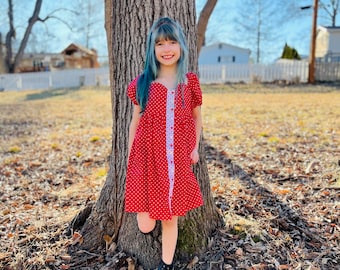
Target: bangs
(165, 32)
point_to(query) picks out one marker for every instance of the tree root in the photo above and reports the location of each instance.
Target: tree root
(79, 220)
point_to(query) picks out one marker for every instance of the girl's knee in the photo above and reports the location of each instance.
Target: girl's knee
(145, 223)
(171, 222)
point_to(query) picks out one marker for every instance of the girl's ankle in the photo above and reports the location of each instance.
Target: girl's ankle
(164, 266)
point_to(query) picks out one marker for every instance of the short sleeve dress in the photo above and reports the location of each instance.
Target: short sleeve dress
(159, 177)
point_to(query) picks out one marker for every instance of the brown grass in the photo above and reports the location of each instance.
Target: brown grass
(54, 147)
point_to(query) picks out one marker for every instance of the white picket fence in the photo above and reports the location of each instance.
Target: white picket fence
(295, 71)
(327, 71)
(55, 79)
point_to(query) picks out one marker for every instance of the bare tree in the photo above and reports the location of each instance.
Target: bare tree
(88, 20)
(13, 59)
(203, 22)
(331, 9)
(127, 23)
(256, 25)
(10, 61)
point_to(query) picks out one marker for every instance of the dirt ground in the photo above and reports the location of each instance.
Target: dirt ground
(273, 157)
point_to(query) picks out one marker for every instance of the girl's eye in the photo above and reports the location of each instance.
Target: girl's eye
(173, 42)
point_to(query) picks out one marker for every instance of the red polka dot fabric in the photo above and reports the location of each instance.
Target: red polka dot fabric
(153, 183)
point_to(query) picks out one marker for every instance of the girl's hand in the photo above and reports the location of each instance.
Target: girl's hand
(194, 156)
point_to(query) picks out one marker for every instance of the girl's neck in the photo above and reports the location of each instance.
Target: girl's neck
(168, 77)
(167, 72)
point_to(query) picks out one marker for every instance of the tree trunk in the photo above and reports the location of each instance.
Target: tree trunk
(127, 23)
(11, 64)
(203, 22)
(9, 36)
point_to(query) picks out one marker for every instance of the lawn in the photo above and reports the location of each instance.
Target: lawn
(272, 152)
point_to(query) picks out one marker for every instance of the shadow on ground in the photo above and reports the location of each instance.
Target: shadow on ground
(281, 218)
(44, 94)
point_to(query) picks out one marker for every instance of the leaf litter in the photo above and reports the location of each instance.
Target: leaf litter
(273, 159)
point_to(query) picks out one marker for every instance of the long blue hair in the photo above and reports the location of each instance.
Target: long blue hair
(163, 29)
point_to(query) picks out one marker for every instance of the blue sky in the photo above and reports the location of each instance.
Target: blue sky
(295, 31)
(221, 28)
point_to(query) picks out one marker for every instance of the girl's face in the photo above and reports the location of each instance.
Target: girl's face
(167, 52)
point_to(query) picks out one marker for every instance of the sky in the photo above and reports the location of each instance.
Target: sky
(295, 31)
(223, 26)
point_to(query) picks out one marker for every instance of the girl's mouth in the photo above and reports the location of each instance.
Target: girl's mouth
(167, 57)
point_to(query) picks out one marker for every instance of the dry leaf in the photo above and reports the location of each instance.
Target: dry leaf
(131, 263)
(6, 212)
(239, 252)
(66, 257)
(193, 262)
(282, 191)
(50, 259)
(284, 267)
(108, 240)
(77, 238)
(28, 206)
(4, 255)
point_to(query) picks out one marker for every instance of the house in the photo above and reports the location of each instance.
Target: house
(223, 53)
(73, 56)
(327, 45)
(77, 56)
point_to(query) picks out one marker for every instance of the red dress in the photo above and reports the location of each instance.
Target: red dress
(159, 177)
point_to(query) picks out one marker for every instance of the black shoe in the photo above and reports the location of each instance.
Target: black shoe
(164, 266)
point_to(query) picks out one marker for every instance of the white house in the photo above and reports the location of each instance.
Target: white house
(327, 48)
(223, 53)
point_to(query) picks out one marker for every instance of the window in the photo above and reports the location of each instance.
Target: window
(226, 59)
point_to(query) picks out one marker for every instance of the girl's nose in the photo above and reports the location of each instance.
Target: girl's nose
(166, 48)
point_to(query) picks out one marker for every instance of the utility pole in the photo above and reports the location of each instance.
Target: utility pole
(311, 72)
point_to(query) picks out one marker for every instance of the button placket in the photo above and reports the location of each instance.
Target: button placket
(170, 109)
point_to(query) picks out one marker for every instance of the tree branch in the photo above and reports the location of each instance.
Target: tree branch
(203, 22)
(56, 18)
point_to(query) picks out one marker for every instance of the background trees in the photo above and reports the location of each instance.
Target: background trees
(329, 11)
(12, 60)
(290, 53)
(259, 24)
(38, 27)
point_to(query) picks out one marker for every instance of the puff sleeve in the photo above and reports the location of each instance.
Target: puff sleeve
(195, 88)
(132, 91)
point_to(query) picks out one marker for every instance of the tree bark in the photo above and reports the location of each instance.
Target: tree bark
(127, 23)
(9, 36)
(203, 22)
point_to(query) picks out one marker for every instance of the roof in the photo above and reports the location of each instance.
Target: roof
(330, 28)
(77, 47)
(217, 44)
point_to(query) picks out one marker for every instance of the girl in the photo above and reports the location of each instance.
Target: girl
(164, 137)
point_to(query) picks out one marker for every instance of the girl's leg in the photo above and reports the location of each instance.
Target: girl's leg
(169, 239)
(145, 223)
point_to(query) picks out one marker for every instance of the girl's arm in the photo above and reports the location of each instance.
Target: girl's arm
(196, 114)
(133, 126)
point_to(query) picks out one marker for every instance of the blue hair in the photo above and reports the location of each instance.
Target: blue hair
(163, 29)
